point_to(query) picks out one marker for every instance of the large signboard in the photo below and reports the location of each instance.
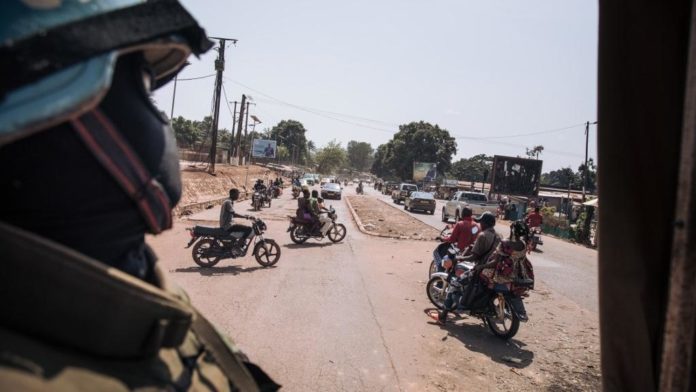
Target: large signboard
(261, 148)
(424, 171)
(516, 176)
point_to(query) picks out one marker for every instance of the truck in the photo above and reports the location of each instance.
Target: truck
(399, 194)
(477, 202)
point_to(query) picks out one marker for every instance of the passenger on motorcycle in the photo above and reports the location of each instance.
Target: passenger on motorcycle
(535, 219)
(316, 210)
(260, 186)
(486, 241)
(509, 266)
(227, 216)
(464, 232)
(303, 209)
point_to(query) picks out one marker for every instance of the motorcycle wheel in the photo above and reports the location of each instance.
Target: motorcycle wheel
(436, 290)
(201, 256)
(337, 232)
(432, 269)
(256, 206)
(267, 252)
(296, 237)
(505, 328)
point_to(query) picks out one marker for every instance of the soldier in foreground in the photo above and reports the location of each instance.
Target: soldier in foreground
(89, 167)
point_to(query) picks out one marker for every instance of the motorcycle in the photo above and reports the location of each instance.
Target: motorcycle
(496, 308)
(301, 230)
(443, 257)
(275, 191)
(359, 190)
(213, 244)
(536, 238)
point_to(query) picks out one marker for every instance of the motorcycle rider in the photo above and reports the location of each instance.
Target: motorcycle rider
(320, 220)
(534, 220)
(87, 305)
(464, 232)
(227, 216)
(507, 264)
(360, 187)
(485, 244)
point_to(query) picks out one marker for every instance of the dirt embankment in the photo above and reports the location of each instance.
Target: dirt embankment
(201, 188)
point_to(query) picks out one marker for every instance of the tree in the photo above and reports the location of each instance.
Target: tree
(476, 168)
(560, 178)
(380, 163)
(331, 157)
(359, 155)
(535, 151)
(591, 184)
(415, 142)
(291, 135)
(190, 132)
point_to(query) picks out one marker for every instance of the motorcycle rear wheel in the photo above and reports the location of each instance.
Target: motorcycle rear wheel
(505, 328)
(200, 254)
(436, 290)
(337, 232)
(267, 252)
(296, 237)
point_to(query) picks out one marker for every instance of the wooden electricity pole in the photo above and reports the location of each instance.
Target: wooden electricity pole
(219, 68)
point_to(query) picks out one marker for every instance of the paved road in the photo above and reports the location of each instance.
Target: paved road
(569, 269)
(350, 316)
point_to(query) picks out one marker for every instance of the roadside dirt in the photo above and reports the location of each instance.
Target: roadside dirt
(382, 219)
(557, 350)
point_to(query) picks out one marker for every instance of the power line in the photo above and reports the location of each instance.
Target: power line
(196, 78)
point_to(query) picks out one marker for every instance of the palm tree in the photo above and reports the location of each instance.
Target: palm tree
(535, 151)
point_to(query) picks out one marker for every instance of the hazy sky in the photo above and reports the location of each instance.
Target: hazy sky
(480, 69)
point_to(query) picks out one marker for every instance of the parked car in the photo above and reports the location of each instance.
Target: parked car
(422, 201)
(331, 191)
(399, 194)
(478, 202)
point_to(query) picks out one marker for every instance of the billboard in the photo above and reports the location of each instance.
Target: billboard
(516, 176)
(261, 148)
(424, 171)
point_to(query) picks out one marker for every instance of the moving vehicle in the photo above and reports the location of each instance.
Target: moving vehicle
(301, 230)
(399, 194)
(331, 190)
(213, 244)
(536, 238)
(422, 201)
(260, 199)
(388, 187)
(495, 308)
(478, 202)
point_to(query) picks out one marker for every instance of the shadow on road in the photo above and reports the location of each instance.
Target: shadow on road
(476, 337)
(308, 245)
(227, 270)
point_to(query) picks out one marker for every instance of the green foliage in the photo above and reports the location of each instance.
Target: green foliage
(190, 132)
(330, 158)
(415, 142)
(562, 177)
(475, 168)
(359, 155)
(535, 151)
(291, 135)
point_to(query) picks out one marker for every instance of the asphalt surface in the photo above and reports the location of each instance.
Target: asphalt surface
(350, 316)
(567, 268)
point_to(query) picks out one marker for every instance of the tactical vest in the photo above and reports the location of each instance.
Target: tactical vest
(68, 322)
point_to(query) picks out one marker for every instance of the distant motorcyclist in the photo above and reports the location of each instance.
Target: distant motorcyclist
(227, 216)
(464, 232)
(260, 186)
(534, 220)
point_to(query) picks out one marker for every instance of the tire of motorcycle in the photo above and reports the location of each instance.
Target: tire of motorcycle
(337, 232)
(297, 238)
(432, 269)
(436, 291)
(267, 252)
(405, 207)
(199, 253)
(444, 216)
(507, 332)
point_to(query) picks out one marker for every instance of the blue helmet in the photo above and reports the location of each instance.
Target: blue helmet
(57, 56)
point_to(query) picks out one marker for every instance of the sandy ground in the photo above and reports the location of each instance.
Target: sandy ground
(377, 217)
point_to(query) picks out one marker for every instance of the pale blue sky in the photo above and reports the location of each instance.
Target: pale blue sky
(479, 69)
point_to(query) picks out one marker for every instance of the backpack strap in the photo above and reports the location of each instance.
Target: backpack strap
(229, 362)
(117, 157)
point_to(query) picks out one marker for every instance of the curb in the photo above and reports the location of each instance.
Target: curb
(362, 228)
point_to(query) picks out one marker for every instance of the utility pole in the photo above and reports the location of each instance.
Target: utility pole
(586, 169)
(171, 113)
(238, 150)
(219, 68)
(246, 131)
(234, 121)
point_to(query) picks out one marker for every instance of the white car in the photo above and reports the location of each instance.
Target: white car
(478, 202)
